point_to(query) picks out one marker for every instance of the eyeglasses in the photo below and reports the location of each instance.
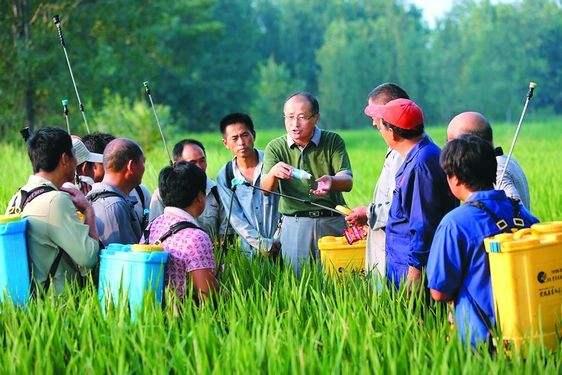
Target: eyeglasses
(300, 117)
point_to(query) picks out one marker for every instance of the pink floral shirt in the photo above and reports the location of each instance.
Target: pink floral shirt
(190, 249)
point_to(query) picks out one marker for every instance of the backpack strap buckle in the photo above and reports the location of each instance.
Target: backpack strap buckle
(501, 224)
(518, 222)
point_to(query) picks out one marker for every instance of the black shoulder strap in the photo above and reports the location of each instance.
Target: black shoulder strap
(28, 196)
(175, 228)
(53, 270)
(140, 193)
(502, 224)
(517, 220)
(229, 174)
(215, 192)
(103, 194)
(145, 210)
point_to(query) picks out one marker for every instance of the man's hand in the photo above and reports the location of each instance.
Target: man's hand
(275, 250)
(414, 276)
(323, 186)
(282, 171)
(357, 217)
(78, 198)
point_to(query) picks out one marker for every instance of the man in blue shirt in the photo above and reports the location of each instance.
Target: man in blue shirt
(421, 197)
(254, 215)
(458, 268)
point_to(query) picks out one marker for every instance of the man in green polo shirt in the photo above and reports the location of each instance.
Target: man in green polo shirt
(323, 155)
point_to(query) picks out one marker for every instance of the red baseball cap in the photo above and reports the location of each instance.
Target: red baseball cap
(402, 113)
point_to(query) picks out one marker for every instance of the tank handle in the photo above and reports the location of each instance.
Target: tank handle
(522, 233)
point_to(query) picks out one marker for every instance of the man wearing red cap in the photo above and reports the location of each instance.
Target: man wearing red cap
(421, 197)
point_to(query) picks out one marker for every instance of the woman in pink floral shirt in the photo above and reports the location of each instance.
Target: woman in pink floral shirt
(182, 188)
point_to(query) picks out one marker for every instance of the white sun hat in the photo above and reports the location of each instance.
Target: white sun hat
(82, 154)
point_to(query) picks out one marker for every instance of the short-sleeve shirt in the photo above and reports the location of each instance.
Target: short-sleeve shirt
(253, 215)
(514, 181)
(53, 224)
(421, 199)
(190, 249)
(213, 219)
(458, 263)
(324, 155)
(116, 219)
(379, 208)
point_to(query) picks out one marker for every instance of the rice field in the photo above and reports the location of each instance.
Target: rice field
(265, 319)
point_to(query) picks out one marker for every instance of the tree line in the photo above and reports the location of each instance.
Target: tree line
(205, 58)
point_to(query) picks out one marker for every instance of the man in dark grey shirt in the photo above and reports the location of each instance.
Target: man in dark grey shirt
(116, 220)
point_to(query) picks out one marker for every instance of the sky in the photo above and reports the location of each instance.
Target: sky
(433, 9)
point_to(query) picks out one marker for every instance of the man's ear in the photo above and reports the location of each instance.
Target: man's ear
(131, 167)
(83, 169)
(395, 138)
(224, 142)
(454, 180)
(65, 159)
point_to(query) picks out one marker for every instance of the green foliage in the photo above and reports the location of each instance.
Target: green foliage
(273, 86)
(133, 119)
(264, 318)
(210, 57)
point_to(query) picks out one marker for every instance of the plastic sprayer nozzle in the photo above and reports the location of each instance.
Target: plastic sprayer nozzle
(300, 174)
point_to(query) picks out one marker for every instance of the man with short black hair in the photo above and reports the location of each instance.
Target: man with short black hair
(58, 242)
(117, 222)
(421, 197)
(253, 215)
(458, 268)
(321, 154)
(376, 213)
(213, 219)
(514, 181)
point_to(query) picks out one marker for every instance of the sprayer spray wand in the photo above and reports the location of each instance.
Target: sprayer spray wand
(532, 86)
(147, 90)
(56, 20)
(65, 112)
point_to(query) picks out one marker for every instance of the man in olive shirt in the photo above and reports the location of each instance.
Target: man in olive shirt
(57, 240)
(320, 153)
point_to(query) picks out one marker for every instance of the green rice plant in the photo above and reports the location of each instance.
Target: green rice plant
(264, 319)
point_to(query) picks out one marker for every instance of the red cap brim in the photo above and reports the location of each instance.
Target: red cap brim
(374, 110)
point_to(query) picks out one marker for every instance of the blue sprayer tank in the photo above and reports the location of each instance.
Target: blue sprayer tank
(124, 272)
(14, 264)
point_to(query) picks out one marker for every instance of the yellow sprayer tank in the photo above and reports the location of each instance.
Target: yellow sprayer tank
(526, 269)
(338, 256)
